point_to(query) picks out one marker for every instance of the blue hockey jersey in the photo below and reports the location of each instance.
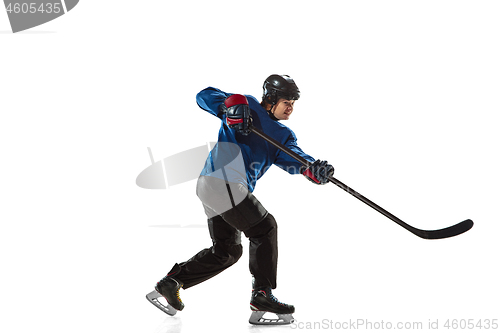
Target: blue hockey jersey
(245, 158)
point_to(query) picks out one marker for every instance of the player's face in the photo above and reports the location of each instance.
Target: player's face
(283, 109)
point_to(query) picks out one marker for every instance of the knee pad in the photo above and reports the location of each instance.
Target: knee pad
(228, 254)
(236, 251)
(265, 227)
(222, 232)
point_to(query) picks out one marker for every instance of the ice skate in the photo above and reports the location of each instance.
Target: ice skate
(153, 298)
(263, 301)
(168, 288)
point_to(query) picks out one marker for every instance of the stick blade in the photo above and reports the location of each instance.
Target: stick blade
(454, 230)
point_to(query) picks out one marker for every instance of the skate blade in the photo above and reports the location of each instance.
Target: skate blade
(257, 318)
(153, 298)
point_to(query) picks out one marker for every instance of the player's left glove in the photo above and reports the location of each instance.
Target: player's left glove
(319, 172)
(237, 113)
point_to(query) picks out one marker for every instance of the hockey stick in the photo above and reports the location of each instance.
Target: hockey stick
(454, 230)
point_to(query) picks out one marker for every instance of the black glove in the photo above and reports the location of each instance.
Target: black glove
(319, 172)
(237, 113)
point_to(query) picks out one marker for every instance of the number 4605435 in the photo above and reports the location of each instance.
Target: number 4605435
(32, 8)
(471, 324)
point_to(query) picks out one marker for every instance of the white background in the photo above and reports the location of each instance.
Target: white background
(400, 96)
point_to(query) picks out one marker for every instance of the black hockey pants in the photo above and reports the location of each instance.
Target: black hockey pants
(247, 216)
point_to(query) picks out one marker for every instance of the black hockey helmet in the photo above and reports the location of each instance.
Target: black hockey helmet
(279, 86)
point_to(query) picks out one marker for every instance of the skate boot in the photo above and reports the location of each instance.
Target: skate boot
(169, 288)
(263, 301)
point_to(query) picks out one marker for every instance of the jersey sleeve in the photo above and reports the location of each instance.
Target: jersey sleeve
(210, 99)
(288, 163)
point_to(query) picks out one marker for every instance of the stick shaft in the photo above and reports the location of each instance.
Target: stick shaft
(335, 181)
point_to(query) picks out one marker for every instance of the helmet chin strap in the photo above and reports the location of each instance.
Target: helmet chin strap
(273, 117)
(274, 100)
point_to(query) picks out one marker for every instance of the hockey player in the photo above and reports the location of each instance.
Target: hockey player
(225, 188)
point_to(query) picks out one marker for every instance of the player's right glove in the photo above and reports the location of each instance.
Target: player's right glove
(237, 113)
(318, 172)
